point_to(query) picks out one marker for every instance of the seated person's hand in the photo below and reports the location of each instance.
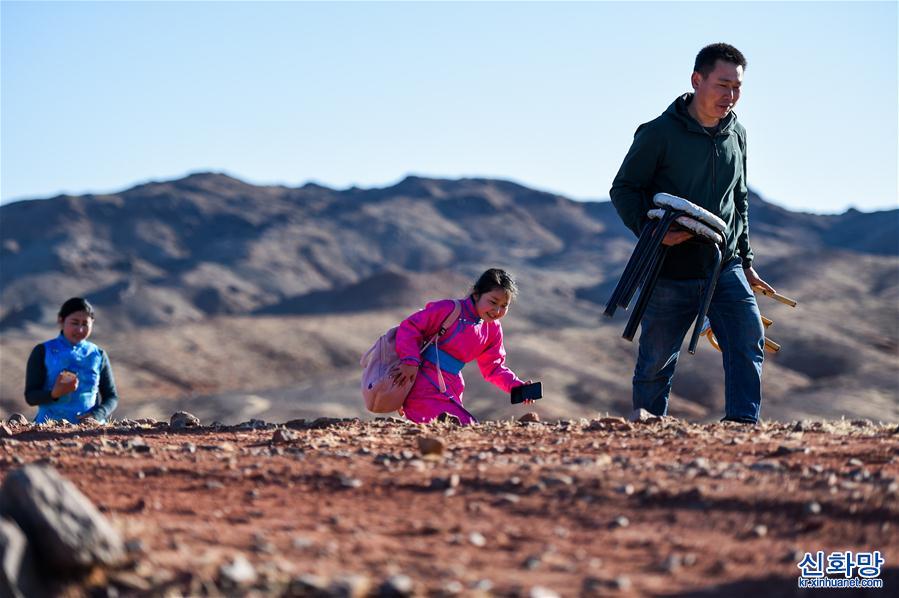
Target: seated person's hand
(66, 382)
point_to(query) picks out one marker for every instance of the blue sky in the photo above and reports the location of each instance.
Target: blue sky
(96, 97)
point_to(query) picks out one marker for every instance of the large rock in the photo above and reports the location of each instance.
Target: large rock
(17, 572)
(65, 530)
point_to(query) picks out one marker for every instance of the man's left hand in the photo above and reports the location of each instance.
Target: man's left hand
(755, 281)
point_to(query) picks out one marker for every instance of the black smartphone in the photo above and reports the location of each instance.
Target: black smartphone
(528, 392)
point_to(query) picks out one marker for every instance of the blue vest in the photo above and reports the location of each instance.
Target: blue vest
(85, 360)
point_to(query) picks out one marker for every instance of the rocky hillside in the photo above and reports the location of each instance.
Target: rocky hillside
(190, 275)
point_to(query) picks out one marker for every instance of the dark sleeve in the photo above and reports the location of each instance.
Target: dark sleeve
(109, 398)
(35, 376)
(633, 180)
(741, 202)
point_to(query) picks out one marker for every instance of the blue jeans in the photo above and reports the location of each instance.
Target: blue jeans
(737, 324)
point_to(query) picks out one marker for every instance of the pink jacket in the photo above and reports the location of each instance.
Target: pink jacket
(469, 339)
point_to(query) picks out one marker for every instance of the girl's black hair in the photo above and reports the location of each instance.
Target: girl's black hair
(76, 304)
(494, 278)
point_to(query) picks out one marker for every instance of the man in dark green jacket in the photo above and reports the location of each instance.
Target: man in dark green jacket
(697, 150)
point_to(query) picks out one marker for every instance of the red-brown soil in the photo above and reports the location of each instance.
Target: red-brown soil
(587, 507)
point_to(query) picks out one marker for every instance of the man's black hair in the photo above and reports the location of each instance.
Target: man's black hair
(705, 60)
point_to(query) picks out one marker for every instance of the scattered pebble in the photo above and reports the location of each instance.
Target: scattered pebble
(430, 445)
(531, 417)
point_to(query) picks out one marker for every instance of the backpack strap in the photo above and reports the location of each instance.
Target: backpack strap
(447, 322)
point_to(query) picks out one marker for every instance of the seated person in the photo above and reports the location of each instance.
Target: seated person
(69, 378)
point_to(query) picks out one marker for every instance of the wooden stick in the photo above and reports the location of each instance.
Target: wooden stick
(771, 345)
(776, 296)
(766, 321)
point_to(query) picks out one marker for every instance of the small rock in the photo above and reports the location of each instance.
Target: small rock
(238, 572)
(812, 508)
(396, 586)
(672, 563)
(532, 562)
(17, 419)
(135, 546)
(183, 419)
(449, 419)
(350, 482)
(760, 531)
(5, 431)
(531, 417)
(284, 435)
(138, 445)
(430, 445)
(641, 415)
(477, 539)
(700, 463)
(349, 586)
(620, 521)
(542, 592)
(766, 465)
(302, 543)
(557, 479)
(308, 585)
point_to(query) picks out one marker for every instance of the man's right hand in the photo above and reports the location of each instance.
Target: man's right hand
(675, 237)
(66, 382)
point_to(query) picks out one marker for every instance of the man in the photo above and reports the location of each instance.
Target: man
(697, 150)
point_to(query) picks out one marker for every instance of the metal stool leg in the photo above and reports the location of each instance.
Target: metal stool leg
(706, 301)
(642, 242)
(645, 259)
(645, 293)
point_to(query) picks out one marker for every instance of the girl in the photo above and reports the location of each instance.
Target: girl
(475, 335)
(69, 378)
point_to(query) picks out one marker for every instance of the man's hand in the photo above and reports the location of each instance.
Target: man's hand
(675, 237)
(755, 281)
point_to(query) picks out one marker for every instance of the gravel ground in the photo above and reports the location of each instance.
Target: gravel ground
(344, 507)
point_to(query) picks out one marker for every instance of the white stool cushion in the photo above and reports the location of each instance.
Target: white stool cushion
(694, 226)
(666, 200)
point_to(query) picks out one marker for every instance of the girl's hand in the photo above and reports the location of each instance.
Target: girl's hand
(404, 374)
(66, 382)
(528, 401)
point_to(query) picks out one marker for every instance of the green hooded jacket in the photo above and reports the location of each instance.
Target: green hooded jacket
(675, 154)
